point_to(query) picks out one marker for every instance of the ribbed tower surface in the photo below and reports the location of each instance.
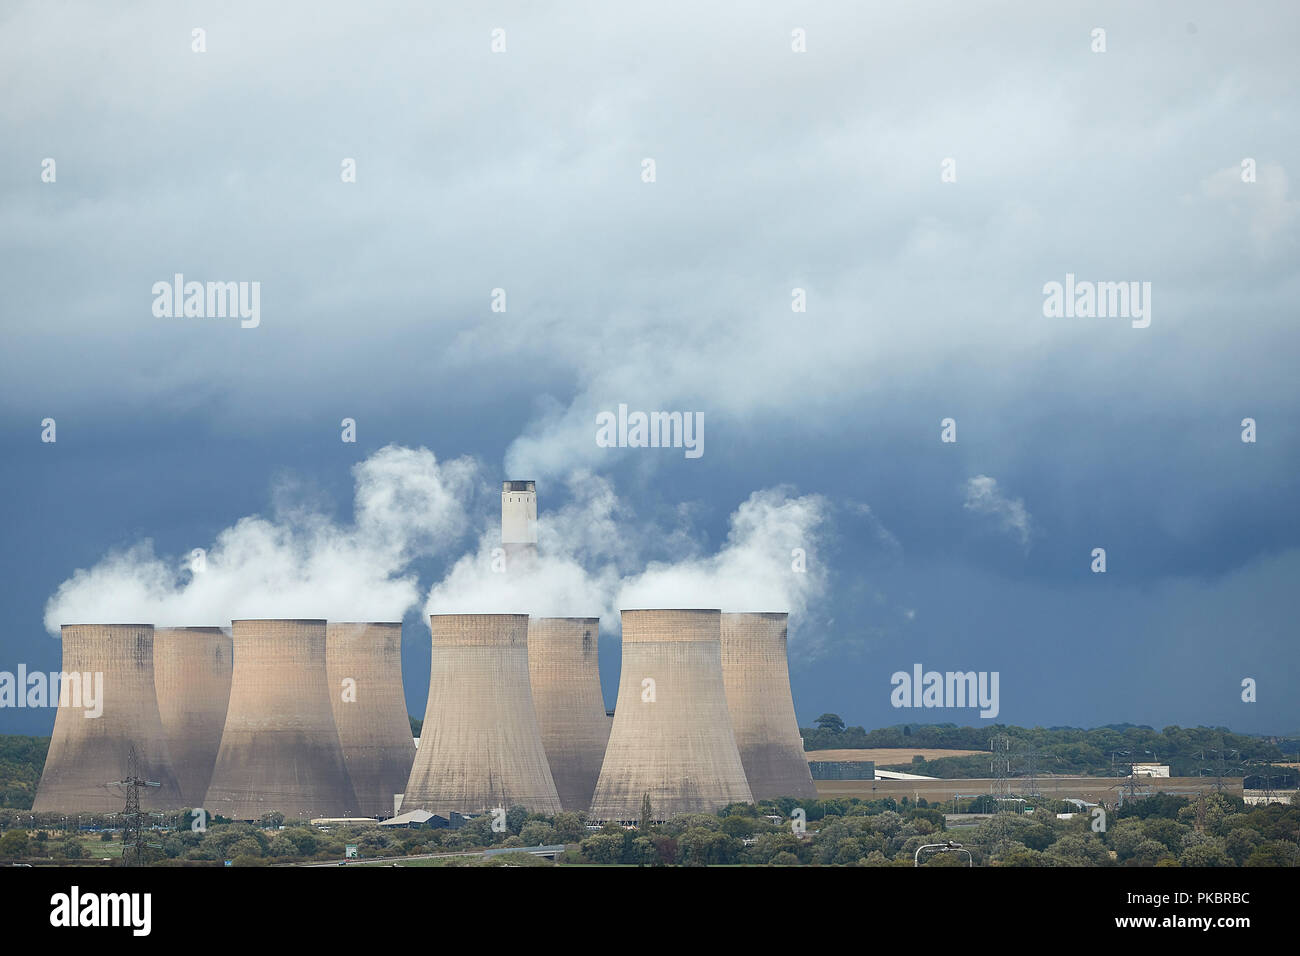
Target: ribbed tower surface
(88, 754)
(192, 670)
(364, 662)
(481, 746)
(565, 678)
(280, 749)
(679, 746)
(757, 678)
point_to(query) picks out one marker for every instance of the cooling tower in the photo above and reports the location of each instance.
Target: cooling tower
(672, 736)
(757, 679)
(192, 667)
(88, 752)
(570, 709)
(481, 747)
(280, 749)
(364, 662)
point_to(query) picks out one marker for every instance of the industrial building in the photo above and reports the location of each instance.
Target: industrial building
(565, 680)
(672, 737)
(851, 770)
(280, 748)
(308, 718)
(364, 664)
(1150, 770)
(481, 746)
(89, 753)
(757, 679)
(192, 671)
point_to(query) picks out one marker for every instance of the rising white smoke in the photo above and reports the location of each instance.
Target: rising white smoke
(591, 561)
(297, 564)
(580, 549)
(769, 562)
(586, 548)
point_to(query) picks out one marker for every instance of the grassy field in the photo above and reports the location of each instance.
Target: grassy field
(97, 849)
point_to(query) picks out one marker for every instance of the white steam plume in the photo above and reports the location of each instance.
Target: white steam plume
(300, 564)
(592, 558)
(584, 548)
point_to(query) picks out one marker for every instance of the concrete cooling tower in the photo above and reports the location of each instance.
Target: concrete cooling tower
(280, 749)
(192, 668)
(672, 736)
(570, 709)
(481, 747)
(757, 678)
(115, 678)
(364, 662)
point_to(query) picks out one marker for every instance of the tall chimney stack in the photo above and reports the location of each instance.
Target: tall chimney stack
(519, 522)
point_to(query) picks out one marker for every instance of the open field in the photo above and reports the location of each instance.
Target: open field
(888, 756)
(1092, 789)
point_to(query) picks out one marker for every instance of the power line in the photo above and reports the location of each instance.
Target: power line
(133, 843)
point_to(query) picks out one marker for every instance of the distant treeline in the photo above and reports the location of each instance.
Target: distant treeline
(21, 762)
(1189, 751)
(1061, 750)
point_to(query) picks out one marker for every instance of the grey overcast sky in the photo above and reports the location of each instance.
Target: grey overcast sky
(1166, 159)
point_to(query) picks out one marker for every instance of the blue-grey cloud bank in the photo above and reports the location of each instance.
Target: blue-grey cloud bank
(842, 256)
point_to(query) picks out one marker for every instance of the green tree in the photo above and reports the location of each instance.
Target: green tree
(1038, 837)
(700, 847)
(1077, 850)
(1273, 853)
(537, 833)
(1021, 856)
(1149, 852)
(830, 722)
(602, 848)
(1240, 843)
(281, 845)
(569, 827)
(1165, 831)
(13, 844)
(1209, 853)
(647, 814)
(642, 852)
(768, 846)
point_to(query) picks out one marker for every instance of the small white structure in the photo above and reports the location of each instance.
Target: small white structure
(1256, 798)
(1150, 770)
